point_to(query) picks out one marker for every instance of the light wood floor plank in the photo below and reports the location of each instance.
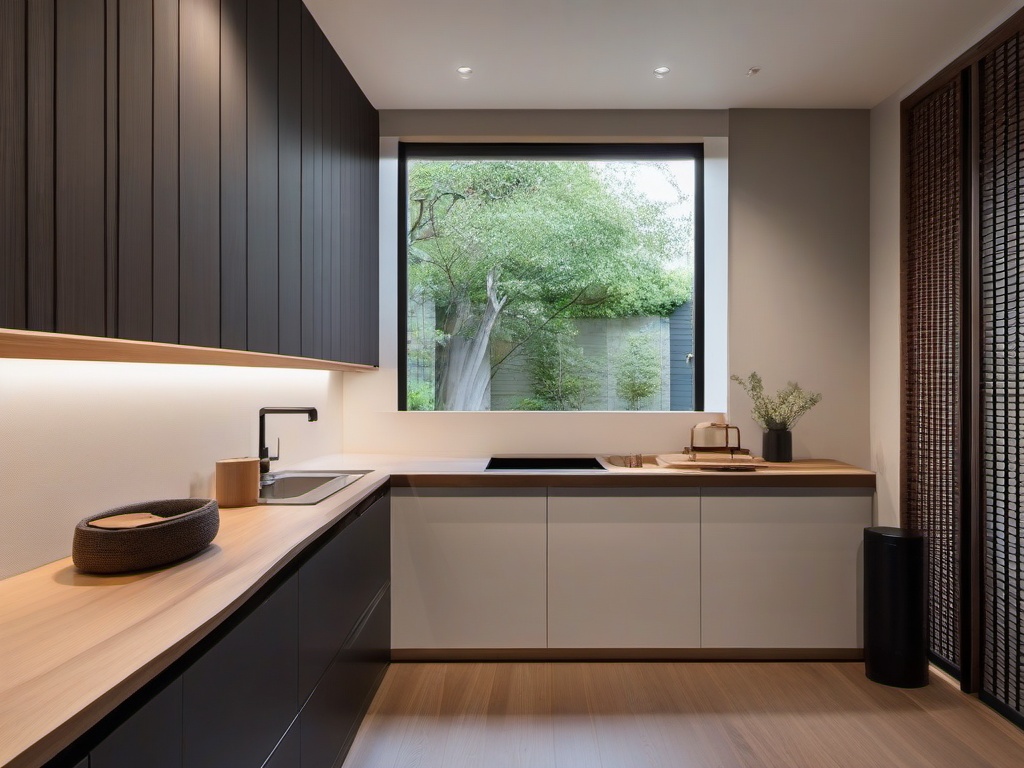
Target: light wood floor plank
(674, 715)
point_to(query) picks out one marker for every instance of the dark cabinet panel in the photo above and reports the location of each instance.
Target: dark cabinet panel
(199, 166)
(39, 166)
(331, 717)
(336, 258)
(286, 754)
(233, 174)
(368, 237)
(135, 158)
(110, 185)
(336, 586)
(165, 291)
(80, 139)
(310, 160)
(290, 177)
(347, 347)
(151, 737)
(321, 204)
(188, 171)
(262, 183)
(240, 696)
(12, 163)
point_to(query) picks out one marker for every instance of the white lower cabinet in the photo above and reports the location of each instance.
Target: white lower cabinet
(623, 568)
(782, 568)
(468, 568)
(604, 568)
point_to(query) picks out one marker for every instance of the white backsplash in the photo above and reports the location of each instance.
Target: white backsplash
(77, 438)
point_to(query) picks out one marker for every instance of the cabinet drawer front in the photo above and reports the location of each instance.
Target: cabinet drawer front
(332, 715)
(468, 569)
(286, 753)
(240, 696)
(624, 570)
(782, 570)
(337, 585)
(151, 737)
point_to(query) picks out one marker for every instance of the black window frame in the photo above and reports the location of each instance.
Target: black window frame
(553, 151)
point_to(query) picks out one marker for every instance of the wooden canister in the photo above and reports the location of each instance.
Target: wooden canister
(238, 482)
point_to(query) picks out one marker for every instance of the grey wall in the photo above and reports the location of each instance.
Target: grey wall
(798, 286)
(798, 269)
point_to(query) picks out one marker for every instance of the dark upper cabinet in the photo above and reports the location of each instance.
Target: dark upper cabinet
(151, 737)
(199, 172)
(13, 123)
(241, 695)
(80, 166)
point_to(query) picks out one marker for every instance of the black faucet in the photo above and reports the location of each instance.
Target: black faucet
(265, 457)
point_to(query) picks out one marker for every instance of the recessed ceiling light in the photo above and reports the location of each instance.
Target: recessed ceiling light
(753, 71)
(660, 72)
(465, 72)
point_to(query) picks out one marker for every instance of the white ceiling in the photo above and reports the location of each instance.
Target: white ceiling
(599, 54)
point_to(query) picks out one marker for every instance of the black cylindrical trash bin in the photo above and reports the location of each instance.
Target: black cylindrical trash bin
(895, 607)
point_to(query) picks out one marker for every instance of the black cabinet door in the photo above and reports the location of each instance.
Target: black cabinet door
(200, 172)
(286, 754)
(80, 144)
(337, 584)
(331, 717)
(151, 737)
(240, 696)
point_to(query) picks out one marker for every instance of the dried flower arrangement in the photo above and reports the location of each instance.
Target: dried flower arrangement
(781, 411)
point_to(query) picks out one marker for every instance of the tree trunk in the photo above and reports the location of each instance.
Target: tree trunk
(465, 376)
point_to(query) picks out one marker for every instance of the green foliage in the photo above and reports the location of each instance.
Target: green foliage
(561, 240)
(637, 369)
(782, 410)
(532, 404)
(563, 379)
(420, 397)
(554, 241)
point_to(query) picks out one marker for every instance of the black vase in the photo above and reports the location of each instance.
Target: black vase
(777, 445)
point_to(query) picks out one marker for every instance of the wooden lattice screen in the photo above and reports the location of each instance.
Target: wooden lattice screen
(1002, 387)
(932, 324)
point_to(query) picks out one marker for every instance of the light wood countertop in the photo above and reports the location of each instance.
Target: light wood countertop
(803, 473)
(73, 646)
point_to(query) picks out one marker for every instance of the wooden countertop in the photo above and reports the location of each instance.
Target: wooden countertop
(73, 646)
(805, 473)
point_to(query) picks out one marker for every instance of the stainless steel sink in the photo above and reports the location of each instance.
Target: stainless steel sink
(306, 487)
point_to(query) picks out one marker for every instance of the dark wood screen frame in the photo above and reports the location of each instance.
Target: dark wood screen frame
(972, 538)
(930, 501)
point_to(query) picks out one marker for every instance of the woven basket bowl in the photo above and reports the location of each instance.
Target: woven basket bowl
(191, 526)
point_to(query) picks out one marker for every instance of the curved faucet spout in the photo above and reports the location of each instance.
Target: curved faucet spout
(265, 457)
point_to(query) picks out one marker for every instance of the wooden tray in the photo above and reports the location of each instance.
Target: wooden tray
(705, 461)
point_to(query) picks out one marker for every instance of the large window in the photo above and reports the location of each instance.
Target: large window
(550, 277)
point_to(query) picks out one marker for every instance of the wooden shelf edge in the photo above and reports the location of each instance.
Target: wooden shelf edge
(38, 345)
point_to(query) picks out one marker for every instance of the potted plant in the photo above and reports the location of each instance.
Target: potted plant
(777, 414)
